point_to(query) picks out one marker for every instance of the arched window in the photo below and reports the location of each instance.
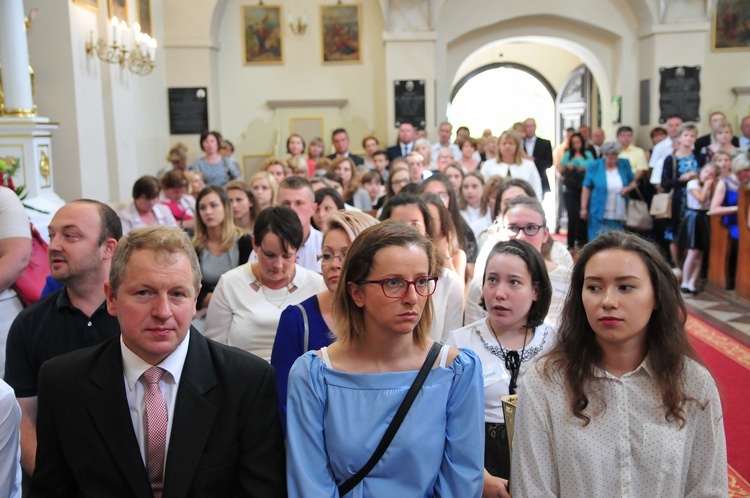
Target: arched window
(497, 95)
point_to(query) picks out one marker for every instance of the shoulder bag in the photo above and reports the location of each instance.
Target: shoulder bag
(638, 217)
(30, 284)
(390, 432)
(661, 204)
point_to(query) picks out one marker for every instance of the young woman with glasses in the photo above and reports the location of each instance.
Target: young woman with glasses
(343, 397)
(307, 326)
(524, 219)
(449, 298)
(516, 292)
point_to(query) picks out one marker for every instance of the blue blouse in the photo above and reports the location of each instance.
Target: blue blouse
(290, 340)
(336, 420)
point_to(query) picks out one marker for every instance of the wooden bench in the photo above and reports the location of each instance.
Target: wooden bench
(718, 259)
(743, 250)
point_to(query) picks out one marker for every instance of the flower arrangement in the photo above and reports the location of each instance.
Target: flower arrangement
(8, 168)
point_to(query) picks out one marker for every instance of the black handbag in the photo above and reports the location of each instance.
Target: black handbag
(393, 427)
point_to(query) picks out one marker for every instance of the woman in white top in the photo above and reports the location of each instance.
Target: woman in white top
(474, 206)
(511, 164)
(145, 210)
(622, 405)
(424, 148)
(246, 306)
(516, 292)
(448, 298)
(524, 219)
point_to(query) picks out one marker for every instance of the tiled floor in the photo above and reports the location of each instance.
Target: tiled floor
(724, 311)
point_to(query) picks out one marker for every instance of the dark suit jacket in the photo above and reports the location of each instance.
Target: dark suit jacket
(226, 438)
(543, 160)
(357, 160)
(395, 151)
(705, 141)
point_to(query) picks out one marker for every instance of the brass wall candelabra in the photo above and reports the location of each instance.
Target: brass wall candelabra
(139, 59)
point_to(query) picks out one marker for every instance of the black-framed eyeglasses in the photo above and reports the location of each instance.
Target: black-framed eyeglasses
(405, 181)
(397, 288)
(327, 258)
(529, 230)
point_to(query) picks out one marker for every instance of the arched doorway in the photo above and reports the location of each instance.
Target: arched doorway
(497, 95)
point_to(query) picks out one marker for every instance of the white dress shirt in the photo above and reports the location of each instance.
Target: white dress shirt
(628, 449)
(10, 448)
(135, 389)
(307, 255)
(453, 148)
(658, 154)
(529, 144)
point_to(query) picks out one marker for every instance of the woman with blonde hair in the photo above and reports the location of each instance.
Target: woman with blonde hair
(220, 245)
(721, 141)
(512, 164)
(308, 325)
(381, 315)
(277, 168)
(265, 189)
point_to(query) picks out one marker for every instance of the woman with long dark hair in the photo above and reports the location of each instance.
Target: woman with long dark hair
(573, 168)
(622, 405)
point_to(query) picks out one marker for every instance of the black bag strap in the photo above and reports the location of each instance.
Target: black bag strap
(390, 432)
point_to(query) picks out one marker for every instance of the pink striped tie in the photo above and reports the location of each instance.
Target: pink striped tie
(156, 429)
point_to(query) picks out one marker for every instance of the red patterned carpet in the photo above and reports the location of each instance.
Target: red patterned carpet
(729, 362)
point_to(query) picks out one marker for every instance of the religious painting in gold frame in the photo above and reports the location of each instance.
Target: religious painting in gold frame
(118, 8)
(341, 33)
(89, 4)
(261, 27)
(144, 16)
(730, 26)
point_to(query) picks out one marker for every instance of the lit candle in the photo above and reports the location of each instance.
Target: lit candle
(91, 37)
(152, 50)
(123, 33)
(114, 23)
(137, 34)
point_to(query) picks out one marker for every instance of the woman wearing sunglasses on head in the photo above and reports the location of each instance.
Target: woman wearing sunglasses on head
(343, 398)
(307, 326)
(516, 292)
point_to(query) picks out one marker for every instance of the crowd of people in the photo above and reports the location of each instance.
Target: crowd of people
(260, 336)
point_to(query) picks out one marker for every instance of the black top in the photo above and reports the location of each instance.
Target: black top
(50, 327)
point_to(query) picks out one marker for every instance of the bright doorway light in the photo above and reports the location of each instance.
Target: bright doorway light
(497, 98)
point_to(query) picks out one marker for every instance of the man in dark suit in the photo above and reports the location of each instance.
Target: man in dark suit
(713, 119)
(540, 151)
(340, 140)
(160, 410)
(405, 145)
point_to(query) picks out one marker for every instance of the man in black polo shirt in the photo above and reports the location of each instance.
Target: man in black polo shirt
(83, 236)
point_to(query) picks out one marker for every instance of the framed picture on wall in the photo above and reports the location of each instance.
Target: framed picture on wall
(341, 34)
(261, 25)
(144, 16)
(118, 8)
(89, 4)
(730, 26)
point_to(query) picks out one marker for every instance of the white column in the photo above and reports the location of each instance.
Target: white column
(14, 57)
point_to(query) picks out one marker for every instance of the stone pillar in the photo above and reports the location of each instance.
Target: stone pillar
(14, 57)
